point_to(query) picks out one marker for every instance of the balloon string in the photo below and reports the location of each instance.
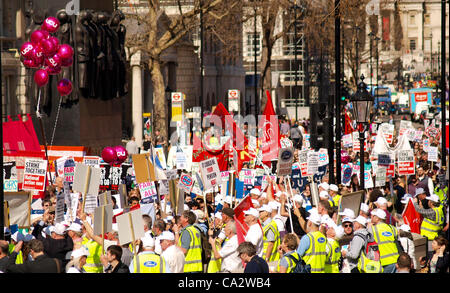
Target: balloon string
(56, 121)
(38, 114)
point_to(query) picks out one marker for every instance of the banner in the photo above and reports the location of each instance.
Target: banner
(147, 189)
(10, 182)
(432, 154)
(271, 135)
(34, 175)
(412, 217)
(93, 161)
(406, 162)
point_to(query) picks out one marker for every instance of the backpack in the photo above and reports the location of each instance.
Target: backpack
(369, 260)
(206, 246)
(300, 266)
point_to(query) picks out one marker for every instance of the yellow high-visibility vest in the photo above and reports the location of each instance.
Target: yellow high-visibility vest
(316, 254)
(274, 256)
(291, 263)
(93, 263)
(148, 263)
(193, 259)
(334, 254)
(19, 258)
(431, 229)
(385, 236)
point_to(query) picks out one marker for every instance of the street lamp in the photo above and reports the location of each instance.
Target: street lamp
(362, 102)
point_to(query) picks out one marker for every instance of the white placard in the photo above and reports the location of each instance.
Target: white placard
(80, 179)
(313, 163)
(285, 160)
(147, 189)
(210, 173)
(380, 179)
(432, 154)
(323, 157)
(127, 227)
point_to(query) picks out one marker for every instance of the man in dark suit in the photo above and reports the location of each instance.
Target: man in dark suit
(41, 263)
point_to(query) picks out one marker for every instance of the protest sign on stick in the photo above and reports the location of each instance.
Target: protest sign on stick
(59, 209)
(406, 162)
(432, 154)
(131, 227)
(103, 221)
(350, 201)
(285, 160)
(105, 198)
(34, 174)
(87, 181)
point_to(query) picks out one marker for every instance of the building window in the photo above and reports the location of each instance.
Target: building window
(427, 18)
(412, 19)
(412, 44)
(251, 43)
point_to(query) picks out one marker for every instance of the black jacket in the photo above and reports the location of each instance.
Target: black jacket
(42, 264)
(121, 268)
(442, 264)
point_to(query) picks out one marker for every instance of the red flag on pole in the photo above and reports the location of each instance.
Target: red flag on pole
(270, 138)
(412, 218)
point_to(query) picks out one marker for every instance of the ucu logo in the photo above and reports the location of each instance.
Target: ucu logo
(121, 153)
(39, 54)
(52, 62)
(27, 49)
(51, 22)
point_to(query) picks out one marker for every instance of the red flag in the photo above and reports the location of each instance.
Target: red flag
(270, 138)
(126, 210)
(238, 138)
(201, 153)
(412, 217)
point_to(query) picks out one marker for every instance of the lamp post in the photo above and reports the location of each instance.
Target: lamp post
(295, 61)
(362, 102)
(378, 56)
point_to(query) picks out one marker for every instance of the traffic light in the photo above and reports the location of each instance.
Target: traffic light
(320, 126)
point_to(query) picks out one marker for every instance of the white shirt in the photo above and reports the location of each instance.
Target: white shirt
(255, 236)
(230, 260)
(174, 258)
(280, 223)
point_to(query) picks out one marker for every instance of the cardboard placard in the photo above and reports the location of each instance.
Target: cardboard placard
(164, 187)
(131, 226)
(86, 179)
(323, 157)
(380, 179)
(406, 162)
(19, 204)
(313, 163)
(90, 203)
(186, 183)
(210, 173)
(103, 219)
(432, 154)
(34, 174)
(143, 167)
(285, 160)
(147, 189)
(10, 181)
(59, 209)
(350, 201)
(347, 140)
(105, 198)
(93, 161)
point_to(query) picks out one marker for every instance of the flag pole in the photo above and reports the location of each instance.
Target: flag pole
(291, 202)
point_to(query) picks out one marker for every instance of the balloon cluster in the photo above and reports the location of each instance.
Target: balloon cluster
(114, 155)
(46, 53)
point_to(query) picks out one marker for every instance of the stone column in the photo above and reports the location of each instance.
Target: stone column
(136, 96)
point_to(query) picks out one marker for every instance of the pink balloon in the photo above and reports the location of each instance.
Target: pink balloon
(66, 62)
(55, 42)
(37, 55)
(53, 61)
(65, 51)
(64, 87)
(109, 155)
(30, 63)
(26, 49)
(51, 24)
(38, 35)
(41, 77)
(48, 48)
(53, 70)
(121, 153)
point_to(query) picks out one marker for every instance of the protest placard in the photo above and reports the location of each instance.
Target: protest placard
(181, 160)
(74, 201)
(350, 201)
(406, 162)
(34, 174)
(147, 189)
(388, 131)
(313, 163)
(432, 154)
(426, 144)
(434, 132)
(87, 181)
(186, 182)
(18, 208)
(159, 151)
(103, 219)
(90, 202)
(210, 173)
(164, 187)
(418, 135)
(93, 161)
(143, 167)
(59, 209)
(10, 182)
(410, 134)
(347, 175)
(368, 181)
(355, 140)
(69, 170)
(247, 176)
(285, 160)
(105, 198)
(323, 157)
(380, 177)
(59, 164)
(404, 126)
(130, 226)
(303, 161)
(347, 140)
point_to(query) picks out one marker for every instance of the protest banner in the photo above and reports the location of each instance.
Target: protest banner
(147, 189)
(144, 168)
(285, 160)
(103, 222)
(313, 163)
(19, 205)
(69, 170)
(186, 183)
(323, 157)
(388, 131)
(380, 177)
(87, 181)
(10, 182)
(34, 174)
(210, 173)
(350, 201)
(411, 217)
(432, 154)
(239, 216)
(93, 161)
(406, 162)
(59, 209)
(131, 227)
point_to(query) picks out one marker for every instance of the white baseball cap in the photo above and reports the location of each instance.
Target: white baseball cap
(60, 229)
(324, 185)
(347, 213)
(218, 215)
(255, 191)
(200, 214)
(228, 199)
(253, 212)
(420, 190)
(166, 235)
(255, 203)
(379, 213)
(347, 219)
(315, 218)
(148, 241)
(82, 251)
(433, 197)
(334, 187)
(364, 208)
(381, 201)
(274, 205)
(324, 194)
(265, 208)
(361, 220)
(298, 198)
(406, 198)
(74, 227)
(405, 228)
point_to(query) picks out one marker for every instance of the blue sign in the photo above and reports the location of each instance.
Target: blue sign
(321, 240)
(298, 182)
(347, 175)
(150, 264)
(386, 234)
